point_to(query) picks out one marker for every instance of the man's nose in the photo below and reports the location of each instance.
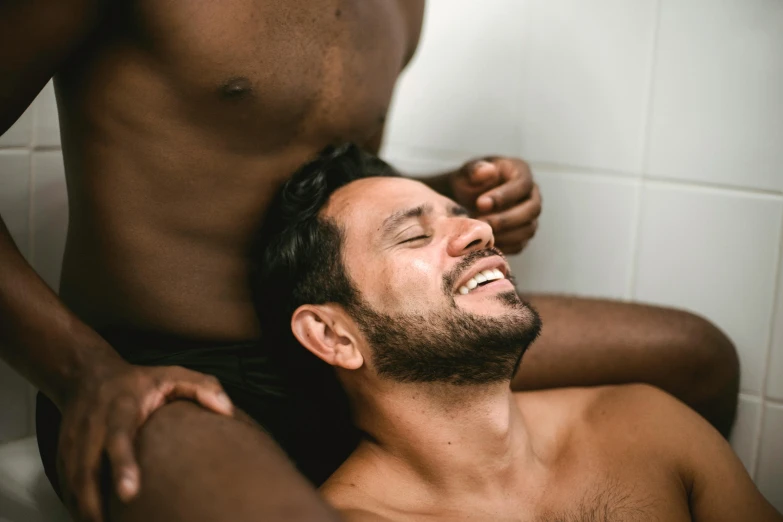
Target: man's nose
(470, 235)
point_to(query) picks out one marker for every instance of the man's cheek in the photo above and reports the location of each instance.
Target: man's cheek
(422, 281)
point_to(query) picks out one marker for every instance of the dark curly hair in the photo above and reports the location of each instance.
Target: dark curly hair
(296, 258)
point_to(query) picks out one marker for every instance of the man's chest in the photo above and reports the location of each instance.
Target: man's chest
(588, 495)
(299, 68)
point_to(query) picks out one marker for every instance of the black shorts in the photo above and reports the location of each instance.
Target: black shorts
(308, 417)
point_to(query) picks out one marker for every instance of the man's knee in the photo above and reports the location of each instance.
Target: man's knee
(198, 465)
(709, 354)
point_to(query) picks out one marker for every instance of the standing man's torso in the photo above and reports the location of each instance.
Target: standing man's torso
(179, 121)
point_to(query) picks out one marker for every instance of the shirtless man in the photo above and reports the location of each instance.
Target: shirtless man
(179, 121)
(409, 303)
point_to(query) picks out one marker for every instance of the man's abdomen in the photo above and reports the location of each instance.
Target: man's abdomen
(178, 130)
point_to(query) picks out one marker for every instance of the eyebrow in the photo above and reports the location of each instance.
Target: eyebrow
(392, 222)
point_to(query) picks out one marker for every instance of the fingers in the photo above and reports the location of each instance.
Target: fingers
(516, 185)
(124, 421)
(483, 174)
(81, 467)
(204, 389)
(514, 241)
(517, 216)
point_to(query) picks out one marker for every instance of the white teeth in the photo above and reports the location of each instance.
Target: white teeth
(481, 277)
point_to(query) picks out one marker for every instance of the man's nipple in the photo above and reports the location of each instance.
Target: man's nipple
(236, 88)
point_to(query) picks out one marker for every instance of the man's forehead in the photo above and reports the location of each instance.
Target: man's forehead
(371, 200)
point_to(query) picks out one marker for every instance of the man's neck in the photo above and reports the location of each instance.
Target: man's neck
(456, 438)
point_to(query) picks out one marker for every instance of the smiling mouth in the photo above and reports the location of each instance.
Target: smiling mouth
(482, 278)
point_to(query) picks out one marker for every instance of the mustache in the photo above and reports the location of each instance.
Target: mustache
(450, 279)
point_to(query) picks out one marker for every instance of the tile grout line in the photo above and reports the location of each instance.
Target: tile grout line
(776, 303)
(633, 272)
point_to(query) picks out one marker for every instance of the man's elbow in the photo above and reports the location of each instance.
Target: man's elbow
(711, 381)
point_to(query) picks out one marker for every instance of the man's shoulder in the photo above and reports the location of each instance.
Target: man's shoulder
(354, 489)
(605, 413)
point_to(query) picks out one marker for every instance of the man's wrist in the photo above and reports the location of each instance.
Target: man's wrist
(88, 358)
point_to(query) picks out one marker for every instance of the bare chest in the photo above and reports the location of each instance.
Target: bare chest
(605, 503)
(264, 73)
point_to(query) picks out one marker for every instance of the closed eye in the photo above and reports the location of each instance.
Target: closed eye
(417, 238)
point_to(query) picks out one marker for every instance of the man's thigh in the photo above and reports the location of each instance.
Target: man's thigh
(199, 466)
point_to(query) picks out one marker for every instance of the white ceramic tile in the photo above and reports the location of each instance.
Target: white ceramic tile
(460, 92)
(717, 111)
(15, 196)
(47, 126)
(50, 215)
(714, 252)
(20, 132)
(585, 81)
(14, 406)
(775, 369)
(769, 476)
(744, 436)
(584, 241)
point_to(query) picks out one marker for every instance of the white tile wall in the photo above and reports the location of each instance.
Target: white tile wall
(584, 244)
(717, 106)
(460, 92)
(586, 73)
(744, 438)
(775, 369)
(20, 132)
(714, 252)
(46, 129)
(770, 472)
(610, 97)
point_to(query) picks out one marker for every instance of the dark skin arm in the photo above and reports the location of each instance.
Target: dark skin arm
(103, 399)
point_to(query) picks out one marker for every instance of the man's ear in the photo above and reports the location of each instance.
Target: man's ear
(326, 332)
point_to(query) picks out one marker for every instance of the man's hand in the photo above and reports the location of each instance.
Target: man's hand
(501, 192)
(104, 414)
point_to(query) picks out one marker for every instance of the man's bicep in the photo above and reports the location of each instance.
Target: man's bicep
(721, 488)
(36, 39)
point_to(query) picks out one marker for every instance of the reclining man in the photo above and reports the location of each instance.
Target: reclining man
(406, 297)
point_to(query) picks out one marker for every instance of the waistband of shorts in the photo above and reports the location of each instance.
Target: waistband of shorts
(243, 364)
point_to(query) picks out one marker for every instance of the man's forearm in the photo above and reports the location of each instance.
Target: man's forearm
(39, 337)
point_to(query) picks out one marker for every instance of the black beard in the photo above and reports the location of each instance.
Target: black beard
(451, 346)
